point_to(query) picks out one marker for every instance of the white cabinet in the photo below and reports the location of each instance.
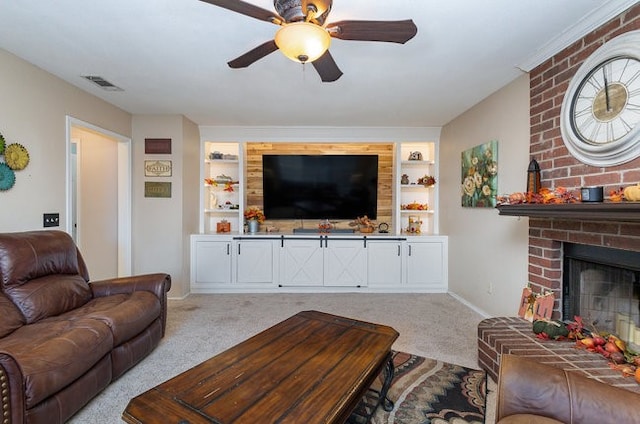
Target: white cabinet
(302, 262)
(268, 263)
(254, 261)
(384, 263)
(345, 263)
(210, 261)
(414, 199)
(426, 263)
(323, 261)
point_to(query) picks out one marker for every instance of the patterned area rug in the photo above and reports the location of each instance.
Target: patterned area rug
(427, 391)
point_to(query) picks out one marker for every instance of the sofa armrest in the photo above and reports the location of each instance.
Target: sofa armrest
(529, 387)
(11, 382)
(158, 284)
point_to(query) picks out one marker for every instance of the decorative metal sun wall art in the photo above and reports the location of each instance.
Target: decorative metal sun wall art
(15, 157)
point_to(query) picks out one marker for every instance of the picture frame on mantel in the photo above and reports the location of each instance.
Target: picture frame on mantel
(479, 166)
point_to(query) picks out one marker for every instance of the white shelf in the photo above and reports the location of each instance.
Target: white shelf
(222, 211)
(219, 161)
(416, 212)
(414, 171)
(415, 186)
(211, 216)
(417, 162)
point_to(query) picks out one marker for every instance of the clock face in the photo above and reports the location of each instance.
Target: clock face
(600, 114)
(606, 105)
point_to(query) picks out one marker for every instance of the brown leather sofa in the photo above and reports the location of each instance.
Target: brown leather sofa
(530, 392)
(62, 338)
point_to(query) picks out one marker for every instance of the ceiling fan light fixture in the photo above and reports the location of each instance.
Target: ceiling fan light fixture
(302, 41)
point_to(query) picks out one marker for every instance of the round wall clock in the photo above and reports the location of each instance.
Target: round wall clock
(600, 117)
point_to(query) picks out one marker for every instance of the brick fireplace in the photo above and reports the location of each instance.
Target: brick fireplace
(548, 83)
(605, 225)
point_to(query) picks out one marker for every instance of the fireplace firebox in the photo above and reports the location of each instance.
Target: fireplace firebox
(602, 285)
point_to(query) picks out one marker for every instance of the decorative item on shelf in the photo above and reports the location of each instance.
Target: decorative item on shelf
(364, 224)
(415, 155)
(383, 228)
(221, 179)
(254, 216)
(427, 181)
(545, 196)
(215, 155)
(533, 177)
(415, 225)
(415, 206)
(223, 226)
(592, 194)
(325, 226)
(404, 180)
(632, 193)
(253, 226)
(213, 200)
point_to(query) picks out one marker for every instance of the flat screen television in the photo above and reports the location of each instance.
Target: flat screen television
(320, 186)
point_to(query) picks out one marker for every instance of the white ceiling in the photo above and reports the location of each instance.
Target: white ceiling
(169, 57)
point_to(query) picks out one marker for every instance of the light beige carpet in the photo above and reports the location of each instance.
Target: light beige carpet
(432, 325)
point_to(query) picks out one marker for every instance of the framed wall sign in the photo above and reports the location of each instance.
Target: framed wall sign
(157, 168)
(157, 146)
(157, 189)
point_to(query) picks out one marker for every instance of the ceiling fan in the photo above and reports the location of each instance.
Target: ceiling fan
(304, 37)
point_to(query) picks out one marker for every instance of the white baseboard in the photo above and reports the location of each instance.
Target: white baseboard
(470, 305)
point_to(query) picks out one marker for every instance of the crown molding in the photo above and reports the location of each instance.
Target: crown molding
(589, 23)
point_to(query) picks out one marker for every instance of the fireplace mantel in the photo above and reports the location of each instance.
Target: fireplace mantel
(605, 211)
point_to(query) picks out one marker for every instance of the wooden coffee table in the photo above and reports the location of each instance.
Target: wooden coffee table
(311, 368)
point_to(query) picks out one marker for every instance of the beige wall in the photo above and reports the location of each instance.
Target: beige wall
(34, 107)
(161, 226)
(488, 253)
(97, 205)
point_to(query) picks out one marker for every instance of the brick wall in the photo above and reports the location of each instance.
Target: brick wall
(549, 81)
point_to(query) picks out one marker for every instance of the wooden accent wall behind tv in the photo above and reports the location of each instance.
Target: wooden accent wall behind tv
(385, 151)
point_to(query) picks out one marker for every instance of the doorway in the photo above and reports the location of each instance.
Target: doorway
(98, 215)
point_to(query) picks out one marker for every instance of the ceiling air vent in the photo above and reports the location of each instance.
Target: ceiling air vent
(102, 83)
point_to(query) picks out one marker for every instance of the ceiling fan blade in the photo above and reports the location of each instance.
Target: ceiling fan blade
(327, 67)
(253, 55)
(247, 9)
(389, 31)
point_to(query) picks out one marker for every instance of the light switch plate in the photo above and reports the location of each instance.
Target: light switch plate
(51, 220)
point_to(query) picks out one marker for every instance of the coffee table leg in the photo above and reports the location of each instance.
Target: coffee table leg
(389, 370)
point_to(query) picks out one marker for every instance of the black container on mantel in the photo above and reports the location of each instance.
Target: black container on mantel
(592, 194)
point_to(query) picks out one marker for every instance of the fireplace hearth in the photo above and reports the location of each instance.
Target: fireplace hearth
(602, 285)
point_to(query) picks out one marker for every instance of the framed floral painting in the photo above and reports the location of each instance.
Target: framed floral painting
(480, 176)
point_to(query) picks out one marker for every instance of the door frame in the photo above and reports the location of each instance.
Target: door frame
(124, 189)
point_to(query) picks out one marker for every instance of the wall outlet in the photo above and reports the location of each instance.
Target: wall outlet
(490, 288)
(51, 220)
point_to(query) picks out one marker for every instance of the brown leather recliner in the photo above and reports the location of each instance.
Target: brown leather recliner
(529, 392)
(63, 339)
